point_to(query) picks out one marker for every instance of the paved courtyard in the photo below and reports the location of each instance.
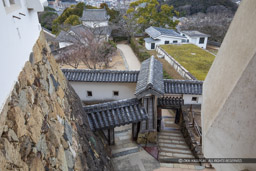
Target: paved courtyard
(129, 156)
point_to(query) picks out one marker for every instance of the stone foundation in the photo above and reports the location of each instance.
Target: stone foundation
(43, 125)
(147, 137)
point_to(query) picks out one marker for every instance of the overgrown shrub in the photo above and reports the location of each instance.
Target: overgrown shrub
(139, 50)
(119, 39)
(141, 41)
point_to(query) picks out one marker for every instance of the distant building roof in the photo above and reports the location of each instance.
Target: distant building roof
(194, 33)
(48, 34)
(183, 87)
(150, 40)
(94, 15)
(150, 80)
(101, 75)
(117, 113)
(70, 36)
(79, 30)
(155, 32)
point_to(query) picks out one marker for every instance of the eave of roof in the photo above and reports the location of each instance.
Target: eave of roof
(116, 113)
(85, 75)
(156, 32)
(194, 33)
(183, 87)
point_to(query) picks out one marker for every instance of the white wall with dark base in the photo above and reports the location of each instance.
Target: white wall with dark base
(103, 91)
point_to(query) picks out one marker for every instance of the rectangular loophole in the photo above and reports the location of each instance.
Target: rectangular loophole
(115, 93)
(89, 93)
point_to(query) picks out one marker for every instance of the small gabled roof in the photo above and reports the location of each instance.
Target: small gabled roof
(155, 32)
(150, 79)
(194, 33)
(85, 75)
(116, 113)
(150, 40)
(95, 15)
(183, 87)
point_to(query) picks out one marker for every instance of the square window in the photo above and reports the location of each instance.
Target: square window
(194, 98)
(166, 42)
(175, 41)
(201, 40)
(89, 93)
(116, 93)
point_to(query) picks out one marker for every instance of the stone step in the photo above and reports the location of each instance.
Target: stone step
(170, 138)
(167, 156)
(177, 131)
(178, 146)
(124, 152)
(169, 122)
(164, 136)
(176, 165)
(177, 142)
(175, 150)
(169, 134)
(114, 151)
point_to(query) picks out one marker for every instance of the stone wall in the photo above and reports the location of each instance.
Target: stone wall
(176, 65)
(43, 125)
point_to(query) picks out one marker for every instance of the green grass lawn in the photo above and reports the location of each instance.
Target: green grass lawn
(196, 60)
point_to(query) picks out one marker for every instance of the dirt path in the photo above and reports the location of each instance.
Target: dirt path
(131, 59)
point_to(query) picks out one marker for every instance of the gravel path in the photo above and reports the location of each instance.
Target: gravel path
(131, 59)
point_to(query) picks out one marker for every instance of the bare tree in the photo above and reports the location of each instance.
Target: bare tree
(86, 45)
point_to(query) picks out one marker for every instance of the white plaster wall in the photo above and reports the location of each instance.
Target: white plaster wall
(195, 40)
(64, 44)
(188, 99)
(229, 94)
(95, 23)
(168, 38)
(17, 37)
(163, 39)
(103, 91)
(148, 46)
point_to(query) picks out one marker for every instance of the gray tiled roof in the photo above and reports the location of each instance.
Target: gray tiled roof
(194, 33)
(155, 32)
(105, 30)
(117, 113)
(101, 75)
(183, 87)
(150, 78)
(94, 15)
(170, 101)
(73, 34)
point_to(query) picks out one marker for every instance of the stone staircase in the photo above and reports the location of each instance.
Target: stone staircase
(172, 146)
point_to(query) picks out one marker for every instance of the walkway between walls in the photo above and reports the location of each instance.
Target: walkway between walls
(172, 145)
(129, 56)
